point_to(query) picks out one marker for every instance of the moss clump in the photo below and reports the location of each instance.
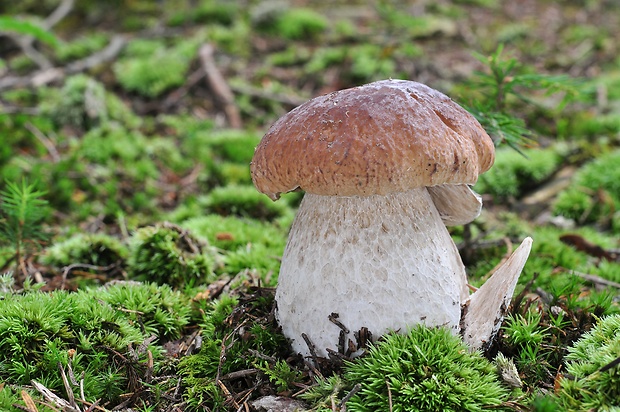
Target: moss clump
(514, 173)
(592, 381)
(291, 24)
(244, 201)
(168, 254)
(237, 334)
(594, 194)
(83, 103)
(149, 68)
(93, 330)
(96, 249)
(82, 47)
(424, 370)
(206, 11)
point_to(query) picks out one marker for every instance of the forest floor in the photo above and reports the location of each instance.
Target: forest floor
(140, 262)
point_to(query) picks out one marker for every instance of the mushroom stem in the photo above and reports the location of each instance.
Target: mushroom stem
(381, 262)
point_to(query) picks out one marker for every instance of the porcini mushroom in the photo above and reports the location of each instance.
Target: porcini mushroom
(385, 167)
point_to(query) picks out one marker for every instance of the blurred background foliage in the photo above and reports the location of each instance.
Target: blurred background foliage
(127, 128)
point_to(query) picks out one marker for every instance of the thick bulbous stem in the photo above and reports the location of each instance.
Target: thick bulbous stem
(381, 262)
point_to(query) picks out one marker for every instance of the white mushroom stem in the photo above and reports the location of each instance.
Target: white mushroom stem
(381, 262)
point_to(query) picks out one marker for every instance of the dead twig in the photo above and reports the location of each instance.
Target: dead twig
(288, 100)
(597, 280)
(46, 76)
(6, 109)
(389, 390)
(73, 266)
(46, 141)
(311, 348)
(26, 42)
(31, 407)
(67, 386)
(239, 374)
(53, 398)
(356, 388)
(219, 86)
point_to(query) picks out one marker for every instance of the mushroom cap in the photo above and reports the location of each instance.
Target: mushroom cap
(383, 137)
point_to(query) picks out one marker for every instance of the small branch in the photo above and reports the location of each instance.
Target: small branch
(597, 280)
(49, 145)
(32, 111)
(43, 77)
(51, 397)
(26, 42)
(610, 365)
(60, 13)
(239, 374)
(311, 348)
(218, 85)
(356, 388)
(288, 100)
(73, 266)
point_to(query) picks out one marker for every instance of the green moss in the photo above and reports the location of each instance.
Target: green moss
(588, 385)
(11, 398)
(96, 249)
(93, 329)
(244, 201)
(513, 173)
(234, 145)
(150, 68)
(248, 244)
(370, 62)
(231, 232)
(167, 254)
(301, 23)
(84, 103)
(158, 310)
(594, 194)
(326, 57)
(82, 46)
(425, 369)
(207, 11)
(259, 335)
(289, 23)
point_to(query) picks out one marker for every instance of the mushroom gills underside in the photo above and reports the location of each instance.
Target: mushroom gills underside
(457, 204)
(380, 262)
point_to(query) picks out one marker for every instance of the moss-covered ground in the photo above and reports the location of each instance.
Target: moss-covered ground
(138, 263)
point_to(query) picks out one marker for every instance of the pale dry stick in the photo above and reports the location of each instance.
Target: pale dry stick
(46, 141)
(26, 42)
(59, 13)
(356, 388)
(30, 405)
(389, 394)
(46, 76)
(69, 268)
(67, 386)
(219, 86)
(51, 397)
(597, 280)
(288, 100)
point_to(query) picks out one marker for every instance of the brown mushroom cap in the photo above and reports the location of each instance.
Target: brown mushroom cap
(383, 137)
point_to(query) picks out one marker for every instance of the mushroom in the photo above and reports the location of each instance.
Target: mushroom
(384, 167)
